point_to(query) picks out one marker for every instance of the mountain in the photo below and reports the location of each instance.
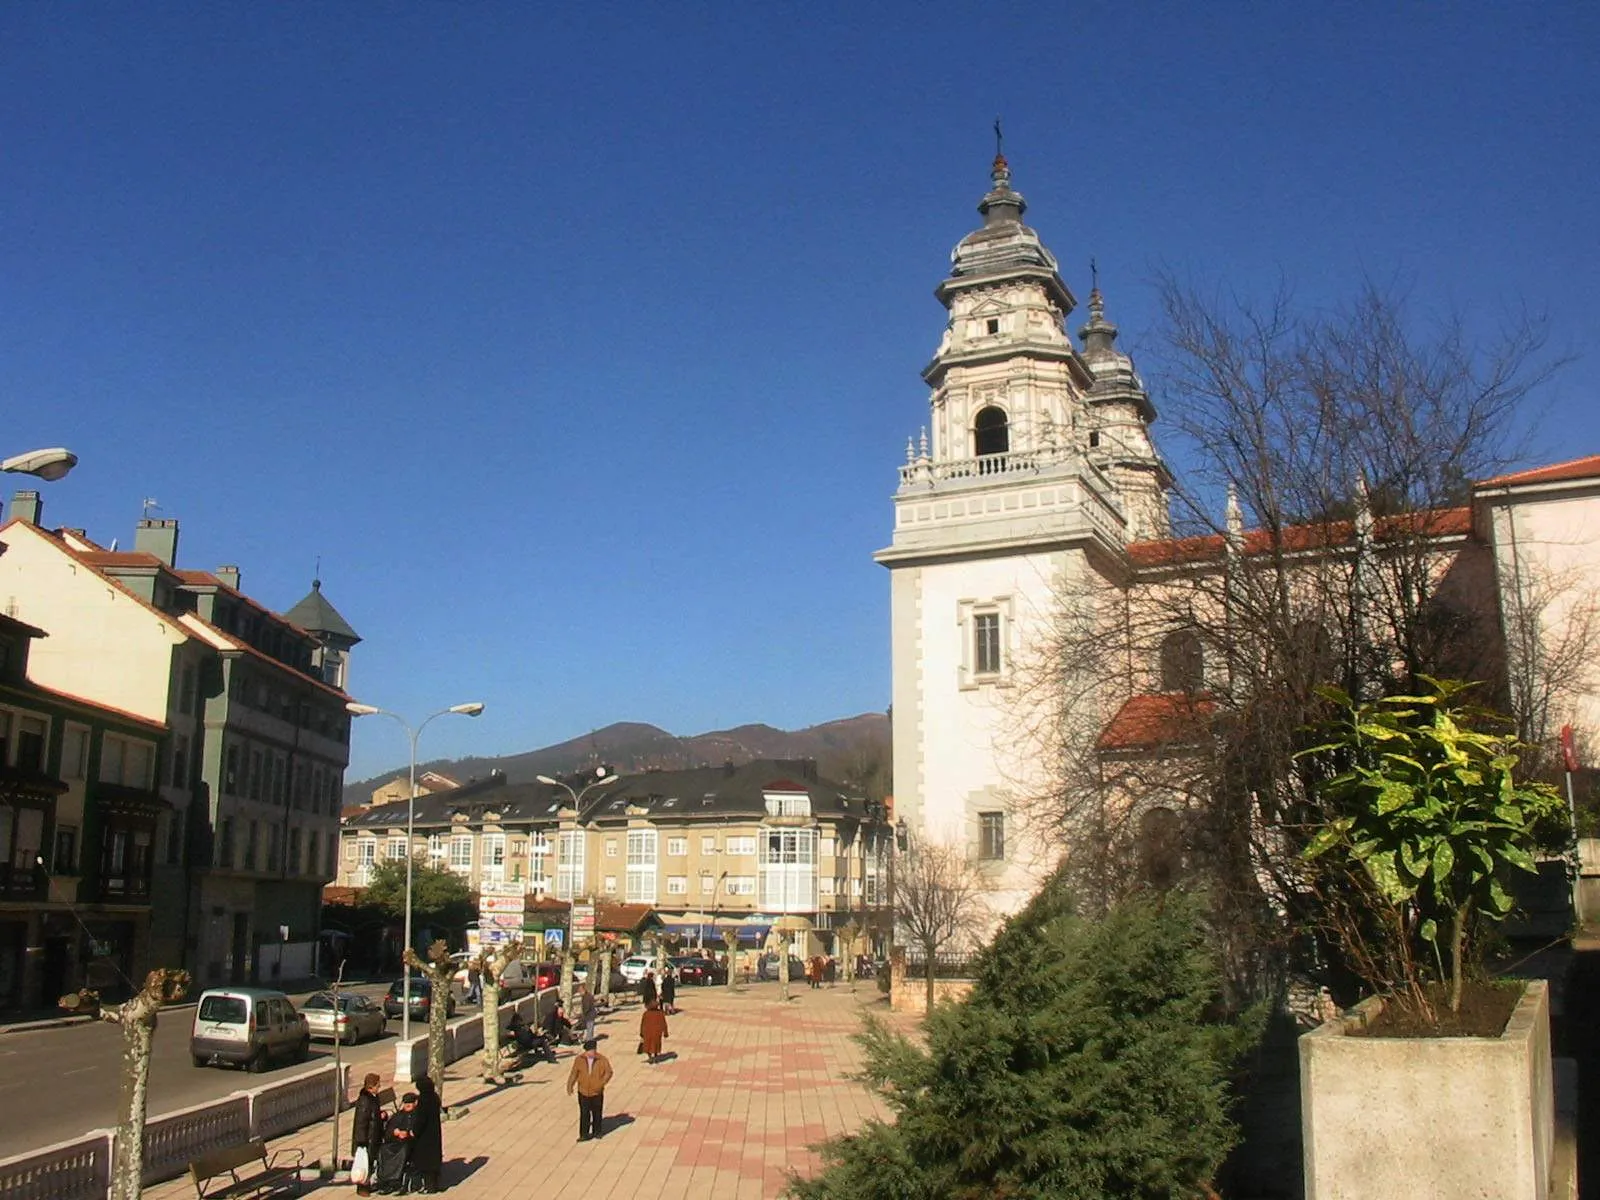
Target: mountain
(851, 750)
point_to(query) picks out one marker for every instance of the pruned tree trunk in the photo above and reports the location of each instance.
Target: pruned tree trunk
(436, 968)
(491, 967)
(731, 941)
(928, 965)
(783, 966)
(137, 1016)
(568, 961)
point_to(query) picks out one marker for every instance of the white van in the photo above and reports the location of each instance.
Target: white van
(247, 1027)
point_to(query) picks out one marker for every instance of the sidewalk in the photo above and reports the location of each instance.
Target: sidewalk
(754, 1084)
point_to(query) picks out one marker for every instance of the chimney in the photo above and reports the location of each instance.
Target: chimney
(158, 537)
(229, 575)
(25, 506)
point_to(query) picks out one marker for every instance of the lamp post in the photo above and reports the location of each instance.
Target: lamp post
(570, 952)
(49, 465)
(470, 709)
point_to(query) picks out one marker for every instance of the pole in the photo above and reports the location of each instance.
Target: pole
(338, 1069)
(411, 818)
(1577, 884)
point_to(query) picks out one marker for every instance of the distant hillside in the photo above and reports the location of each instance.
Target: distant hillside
(852, 750)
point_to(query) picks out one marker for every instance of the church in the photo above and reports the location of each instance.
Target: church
(1035, 488)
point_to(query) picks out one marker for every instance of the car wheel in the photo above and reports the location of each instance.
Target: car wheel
(200, 1060)
(303, 1050)
(258, 1062)
(352, 1037)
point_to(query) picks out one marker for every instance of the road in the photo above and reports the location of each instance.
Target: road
(56, 1084)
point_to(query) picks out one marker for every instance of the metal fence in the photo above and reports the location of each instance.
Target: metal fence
(953, 965)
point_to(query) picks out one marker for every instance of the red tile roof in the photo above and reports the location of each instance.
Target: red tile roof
(1157, 720)
(1577, 468)
(1439, 522)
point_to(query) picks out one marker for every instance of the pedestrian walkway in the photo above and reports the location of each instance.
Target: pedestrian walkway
(754, 1083)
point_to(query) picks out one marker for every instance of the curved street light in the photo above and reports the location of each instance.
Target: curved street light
(471, 709)
(49, 465)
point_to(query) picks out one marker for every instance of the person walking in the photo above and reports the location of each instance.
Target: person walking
(590, 1073)
(652, 1031)
(427, 1128)
(474, 984)
(669, 991)
(647, 988)
(366, 1135)
(586, 1012)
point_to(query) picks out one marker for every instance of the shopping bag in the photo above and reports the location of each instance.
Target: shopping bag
(361, 1166)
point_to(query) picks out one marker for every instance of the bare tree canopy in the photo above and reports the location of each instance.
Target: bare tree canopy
(940, 899)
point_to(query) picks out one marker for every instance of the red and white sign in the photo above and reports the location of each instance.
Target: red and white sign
(1569, 748)
(501, 904)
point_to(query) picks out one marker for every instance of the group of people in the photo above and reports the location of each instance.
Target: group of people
(401, 1151)
(820, 969)
(666, 993)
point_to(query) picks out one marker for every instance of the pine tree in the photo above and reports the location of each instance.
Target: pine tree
(1088, 1061)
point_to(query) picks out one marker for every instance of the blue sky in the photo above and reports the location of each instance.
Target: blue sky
(581, 342)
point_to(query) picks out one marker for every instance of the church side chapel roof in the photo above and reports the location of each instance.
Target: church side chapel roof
(1326, 535)
(1160, 719)
(316, 614)
(1562, 472)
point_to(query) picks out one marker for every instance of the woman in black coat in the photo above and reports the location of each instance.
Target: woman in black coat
(367, 1133)
(669, 991)
(427, 1146)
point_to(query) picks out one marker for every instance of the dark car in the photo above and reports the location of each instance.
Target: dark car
(696, 968)
(767, 968)
(421, 999)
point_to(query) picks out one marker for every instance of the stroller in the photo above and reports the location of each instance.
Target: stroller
(393, 1175)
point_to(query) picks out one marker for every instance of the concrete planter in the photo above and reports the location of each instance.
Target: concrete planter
(1429, 1118)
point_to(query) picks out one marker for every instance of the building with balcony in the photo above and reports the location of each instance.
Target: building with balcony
(79, 811)
(742, 848)
(251, 772)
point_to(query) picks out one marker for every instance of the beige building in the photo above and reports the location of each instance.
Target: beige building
(398, 787)
(737, 848)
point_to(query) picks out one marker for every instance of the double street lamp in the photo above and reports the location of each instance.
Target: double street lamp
(471, 709)
(49, 465)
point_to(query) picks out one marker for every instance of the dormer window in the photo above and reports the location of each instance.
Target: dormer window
(990, 432)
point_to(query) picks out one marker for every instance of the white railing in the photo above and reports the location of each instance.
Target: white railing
(75, 1170)
(983, 466)
(464, 1036)
(174, 1140)
(296, 1102)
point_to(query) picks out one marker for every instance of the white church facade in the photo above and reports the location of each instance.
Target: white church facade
(1036, 479)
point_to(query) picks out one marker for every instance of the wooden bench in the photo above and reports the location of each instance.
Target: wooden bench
(272, 1178)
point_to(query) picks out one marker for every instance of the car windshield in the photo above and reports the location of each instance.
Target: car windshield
(227, 1010)
(419, 987)
(323, 1002)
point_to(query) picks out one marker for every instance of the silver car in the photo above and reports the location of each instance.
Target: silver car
(357, 1017)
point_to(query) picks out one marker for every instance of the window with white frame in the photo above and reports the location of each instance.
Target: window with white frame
(397, 849)
(677, 885)
(641, 878)
(825, 885)
(677, 847)
(494, 854)
(825, 847)
(788, 804)
(461, 852)
(611, 847)
(741, 885)
(741, 846)
(569, 864)
(789, 870)
(611, 885)
(75, 753)
(540, 843)
(125, 761)
(991, 835)
(708, 845)
(708, 882)
(436, 845)
(366, 851)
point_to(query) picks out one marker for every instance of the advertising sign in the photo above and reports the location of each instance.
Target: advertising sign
(498, 937)
(500, 904)
(502, 887)
(582, 922)
(500, 921)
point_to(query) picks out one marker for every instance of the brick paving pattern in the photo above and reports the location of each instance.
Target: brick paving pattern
(753, 1086)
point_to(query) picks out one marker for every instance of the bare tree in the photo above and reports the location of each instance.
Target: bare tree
(491, 963)
(137, 1016)
(438, 970)
(1344, 443)
(939, 899)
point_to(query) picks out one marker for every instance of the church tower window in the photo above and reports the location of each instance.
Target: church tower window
(1183, 664)
(990, 432)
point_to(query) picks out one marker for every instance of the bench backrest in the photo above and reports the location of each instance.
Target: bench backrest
(229, 1159)
(386, 1099)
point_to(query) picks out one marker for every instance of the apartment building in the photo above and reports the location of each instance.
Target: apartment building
(712, 849)
(251, 772)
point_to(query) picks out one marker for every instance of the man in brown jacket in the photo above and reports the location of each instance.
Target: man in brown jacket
(591, 1071)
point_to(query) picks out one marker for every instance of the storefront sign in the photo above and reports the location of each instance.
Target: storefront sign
(582, 922)
(501, 904)
(502, 887)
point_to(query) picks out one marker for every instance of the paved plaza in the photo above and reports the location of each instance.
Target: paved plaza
(753, 1085)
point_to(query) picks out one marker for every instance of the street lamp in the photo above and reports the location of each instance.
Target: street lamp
(471, 709)
(49, 465)
(600, 780)
(570, 951)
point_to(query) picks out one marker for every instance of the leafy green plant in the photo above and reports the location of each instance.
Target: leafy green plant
(1426, 803)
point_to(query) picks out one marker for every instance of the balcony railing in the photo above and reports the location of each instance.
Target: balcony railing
(21, 883)
(985, 465)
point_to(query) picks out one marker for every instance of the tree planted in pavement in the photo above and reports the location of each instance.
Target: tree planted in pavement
(938, 897)
(438, 970)
(137, 1016)
(491, 963)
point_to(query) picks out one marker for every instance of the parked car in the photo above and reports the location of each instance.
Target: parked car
(421, 999)
(247, 1027)
(699, 969)
(518, 979)
(634, 966)
(355, 1018)
(767, 968)
(619, 981)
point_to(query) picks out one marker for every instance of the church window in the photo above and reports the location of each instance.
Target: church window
(992, 325)
(1094, 439)
(986, 643)
(990, 432)
(1160, 847)
(991, 835)
(1182, 662)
